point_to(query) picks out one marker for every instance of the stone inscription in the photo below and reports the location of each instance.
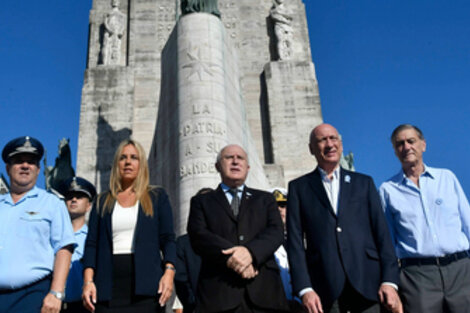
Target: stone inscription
(202, 128)
(201, 138)
(197, 168)
(192, 149)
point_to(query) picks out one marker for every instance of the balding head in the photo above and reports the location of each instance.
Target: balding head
(232, 164)
(326, 146)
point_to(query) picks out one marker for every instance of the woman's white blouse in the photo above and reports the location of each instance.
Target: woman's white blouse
(124, 221)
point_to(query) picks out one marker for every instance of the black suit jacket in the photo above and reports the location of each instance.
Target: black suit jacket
(212, 227)
(354, 245)
(152, 235)
(188, 264)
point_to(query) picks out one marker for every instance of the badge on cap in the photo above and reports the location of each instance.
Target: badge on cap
(74, 185)
(27, 147)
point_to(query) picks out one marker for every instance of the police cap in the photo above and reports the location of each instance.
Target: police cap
(20, 145)
(280, 194)
(77, 184)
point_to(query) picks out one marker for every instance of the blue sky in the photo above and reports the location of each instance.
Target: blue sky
(378, 63)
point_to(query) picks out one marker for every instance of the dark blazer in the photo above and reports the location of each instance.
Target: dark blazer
(212, 227)
(188, 264)
(152, 235)
(354, 245)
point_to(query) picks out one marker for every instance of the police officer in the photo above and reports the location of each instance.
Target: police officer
(36, 236)
(280, 195)
(79, 194)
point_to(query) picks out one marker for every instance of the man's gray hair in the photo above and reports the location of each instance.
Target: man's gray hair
(219, 154)
(401, 127)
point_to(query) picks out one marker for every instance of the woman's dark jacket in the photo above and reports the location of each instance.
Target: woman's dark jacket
(153, 234)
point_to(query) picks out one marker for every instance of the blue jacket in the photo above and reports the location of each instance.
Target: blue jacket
(152, 235)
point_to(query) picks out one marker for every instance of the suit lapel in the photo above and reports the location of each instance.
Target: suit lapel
(344, 190)
(107, 218)
(222, 200)
(318, 188)
(138, 226)
(245, 202)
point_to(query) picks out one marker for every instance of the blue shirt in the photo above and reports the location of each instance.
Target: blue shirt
(432, 220)
(229, 196)
(73, 290)
(282, 261)
(31, 232)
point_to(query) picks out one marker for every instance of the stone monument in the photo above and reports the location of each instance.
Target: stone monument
(187, 84)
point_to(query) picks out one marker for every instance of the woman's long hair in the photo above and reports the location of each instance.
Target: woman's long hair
(140, 184)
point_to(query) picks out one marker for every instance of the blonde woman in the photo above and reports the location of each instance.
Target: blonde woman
(130, 248)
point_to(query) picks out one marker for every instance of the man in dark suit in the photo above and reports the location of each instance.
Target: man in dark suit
(235, 230)
(338, 241)
(188, 264)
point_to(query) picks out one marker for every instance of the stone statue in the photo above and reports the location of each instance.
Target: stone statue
(114, 24)
(347, 162)
(4, 188)
(62, 169)
(207, 6)
(282, 29)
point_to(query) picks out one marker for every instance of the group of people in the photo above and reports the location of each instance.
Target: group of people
(121, 261)
(340, 246)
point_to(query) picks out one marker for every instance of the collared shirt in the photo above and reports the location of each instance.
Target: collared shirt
(73, 291)
(432, 220)
(227, 193)
(31, 232)
(331, 187)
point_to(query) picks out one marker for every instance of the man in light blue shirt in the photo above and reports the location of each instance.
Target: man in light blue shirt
(78, 194)
(36, 237)
(429, 219)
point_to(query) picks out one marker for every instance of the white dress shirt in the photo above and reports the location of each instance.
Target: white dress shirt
(331, 187)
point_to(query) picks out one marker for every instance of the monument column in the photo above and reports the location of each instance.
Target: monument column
(201, 111)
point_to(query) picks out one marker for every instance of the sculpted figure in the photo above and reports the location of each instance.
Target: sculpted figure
(62, 169)
(114, 29)
(207, 6)
(282, 29)
(347, 161)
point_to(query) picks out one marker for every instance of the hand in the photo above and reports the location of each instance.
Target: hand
(165, 286)
(249, 272)
(240, 258)
(89, 296)
(51, 304)
(389, 298)
(312, 303)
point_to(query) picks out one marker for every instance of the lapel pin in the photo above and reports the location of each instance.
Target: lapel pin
(347, 179)
(32, 213)
(248, 194)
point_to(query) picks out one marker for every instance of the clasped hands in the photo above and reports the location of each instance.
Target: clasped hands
(240, 261)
